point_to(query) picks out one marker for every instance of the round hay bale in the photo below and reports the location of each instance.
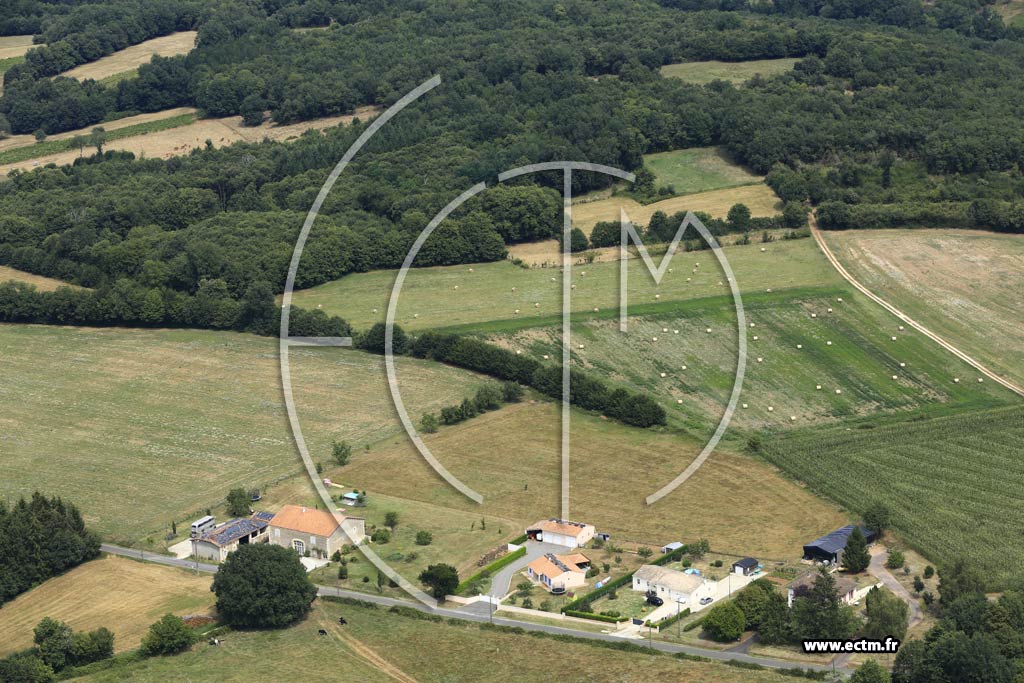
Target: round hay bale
(895, 377)
(654, 339)
(839, 391)
(814, 315)
(708, 330)
(792, 418)
(818, 387)
(894, 338)
(903, 365)
(755, 337)
(828, 343)
(679, 400)
(980, 380)
(684, 367)
(675, 331)
(744, 405)
(771, 409)
(581, 346)
(799, 346)
(759, 359)
(664, 329)
(663, 374)
(957, 380)
(657, 296)
(752, 325)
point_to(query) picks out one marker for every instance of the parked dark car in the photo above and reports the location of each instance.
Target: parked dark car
(655, 600)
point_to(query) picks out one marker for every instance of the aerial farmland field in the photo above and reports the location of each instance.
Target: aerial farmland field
(959, 284)
(131, 58)
(699, 169)
(142, 427)
(734, 72)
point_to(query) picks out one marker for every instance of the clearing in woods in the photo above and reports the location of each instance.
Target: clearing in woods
(960, 284)
(454, 652)
(43, 284)
(734, 72)
(12, 51)
(158, 425)
(699, 169)
(182, 139)
(613, 469)
(1012, 12)
(759, 198)
(486, 293)
(135, 56)
(122, 595)
(917, 468)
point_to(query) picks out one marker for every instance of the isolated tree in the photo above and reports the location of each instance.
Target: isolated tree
(896, 560)
(429, 423)
(442, 579)
(738, 218)
(644, 552)
(724, 622)
(238, 502)
(391, 519)
(262, 586)
(170, 635)
(887, 615)
(819, 614)
(40, 135)
(341, 451)
(856, 557)
(98, 138)
(511, 392)
(753, 600)
(870, 672)
(877, 517)
(424, 538)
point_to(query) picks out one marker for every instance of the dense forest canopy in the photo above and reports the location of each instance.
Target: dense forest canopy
(895, 114)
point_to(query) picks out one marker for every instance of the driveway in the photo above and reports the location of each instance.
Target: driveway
(502, 581)
(878, 570)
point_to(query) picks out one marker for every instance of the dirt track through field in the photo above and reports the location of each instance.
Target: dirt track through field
(368, 655)
(903, 316)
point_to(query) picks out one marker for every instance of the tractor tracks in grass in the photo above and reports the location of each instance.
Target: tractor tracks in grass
(367, 654)
(813, 222)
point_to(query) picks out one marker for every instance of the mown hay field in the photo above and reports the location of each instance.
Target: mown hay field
(963, 285)
(43, 284)
(122, 595)
(429, 297)
(702, 73)
(512, 457)
(952, 483)
(135, 56)
(801, 339)
(142, 427)
(454, 652)
(759, 198)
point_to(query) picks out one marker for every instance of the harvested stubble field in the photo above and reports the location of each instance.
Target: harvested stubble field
(918, 468)
(759, 198)
(453, 652)
(963, 285)
(613, 469)
(795, 346)
(181, 140)
(486, 293)
(122, 595)
(142, 427)
(734, 72)
(43, 284)
(135, 56)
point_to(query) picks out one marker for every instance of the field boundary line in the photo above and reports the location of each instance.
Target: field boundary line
(977, 365)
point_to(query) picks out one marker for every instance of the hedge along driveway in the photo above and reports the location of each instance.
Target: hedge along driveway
(502, 581)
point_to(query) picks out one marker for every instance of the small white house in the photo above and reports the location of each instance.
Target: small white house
(561, 532)
(671, 585)
(675, 545)
(557, 573)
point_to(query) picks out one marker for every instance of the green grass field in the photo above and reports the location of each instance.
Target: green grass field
(139, 427)
(953, 483)
(697, 170)
(378, 646)
(860, 362)
(485, 294)
(954, 282)
(46, 148)
(7, 63)
(734, 72)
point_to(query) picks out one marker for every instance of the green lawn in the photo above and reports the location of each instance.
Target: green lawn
(697, 170)
(141, 427)
(734, 72)
(952, 483)
(430, 299)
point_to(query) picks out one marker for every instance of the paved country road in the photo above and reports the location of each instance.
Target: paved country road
(470, 614)
(813, 222)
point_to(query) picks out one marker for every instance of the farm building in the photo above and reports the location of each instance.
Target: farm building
(675, 545)
(671, 585)
(802, 585)
(353, 499)
(556, 573)
(829, 548)
(317, 532)
(745, 567)
(561, 532)
(218, 542)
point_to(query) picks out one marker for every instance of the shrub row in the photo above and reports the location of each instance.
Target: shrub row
(595, 617)
(668, 621)
(638, 410)
(486, 571)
